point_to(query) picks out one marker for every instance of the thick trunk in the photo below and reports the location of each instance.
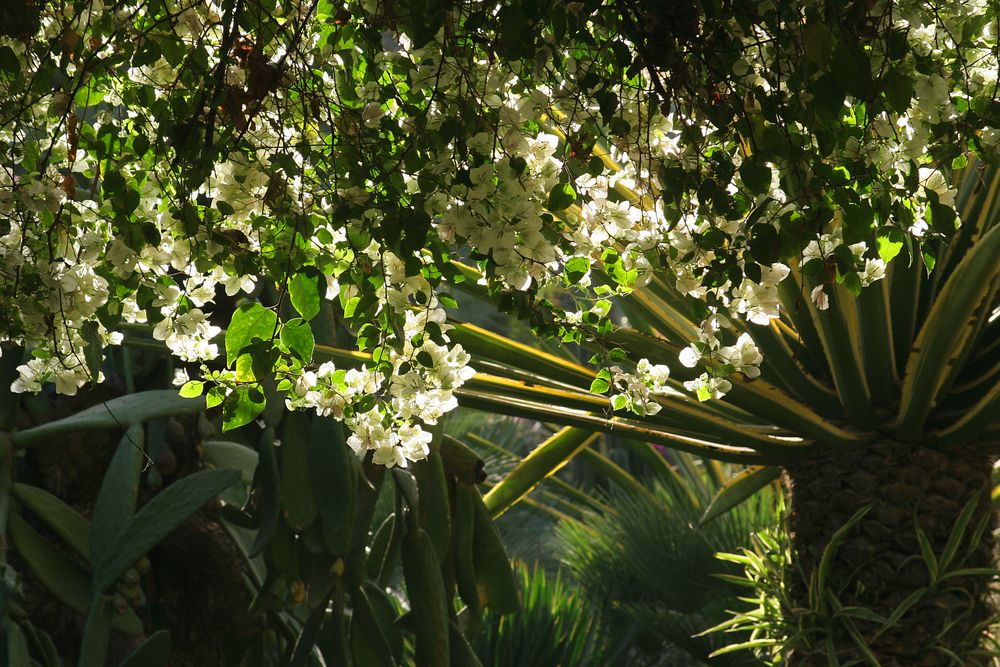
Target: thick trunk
(879, 565)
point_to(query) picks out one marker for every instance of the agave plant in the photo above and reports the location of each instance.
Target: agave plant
(880, 412)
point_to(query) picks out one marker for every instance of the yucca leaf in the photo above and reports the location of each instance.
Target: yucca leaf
(629, 428)
(569, 490)
(795, 317)
(493, 346)
(542, 462)
(793, 376)
(905, 276)
(974, 419)
(768, 402)
(875, 321)
(840, 336)
(954, 311)
(739, 488)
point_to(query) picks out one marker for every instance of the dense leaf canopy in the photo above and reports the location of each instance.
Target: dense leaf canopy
(335, 162)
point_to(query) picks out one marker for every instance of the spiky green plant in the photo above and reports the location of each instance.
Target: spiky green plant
(650, 563)
(556, 626)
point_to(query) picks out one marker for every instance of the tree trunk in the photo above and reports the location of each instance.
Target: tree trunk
(879, 564)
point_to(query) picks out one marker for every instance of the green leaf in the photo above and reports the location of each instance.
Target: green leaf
(303, 288)
(113, 414)
(157, 519)
(561, 197)
(250, 321)
(575, 269)
(154, 652)
(192, 389)
(818, 43)
(297, 336)
(542, 462)
(890, 242)
(216, 395)
(756, 176)
(332, 481)
(96, 633)
(63, 577)
(242, 406)
(93, 351)
(739, 488)
(599, 385)
(117, 497)
(853, 71)
(65, 521)
(296, 488)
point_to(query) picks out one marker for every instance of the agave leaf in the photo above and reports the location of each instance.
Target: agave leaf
(116, 413)
(542, 462)
(739, 488)
(768, 402)
(953, 313)
(906, 282)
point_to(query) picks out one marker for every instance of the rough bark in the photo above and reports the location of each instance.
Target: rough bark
(879, 564)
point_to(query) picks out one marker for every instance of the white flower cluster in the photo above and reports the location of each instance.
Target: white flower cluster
(636, 391)
(722, 361)
(417, 388)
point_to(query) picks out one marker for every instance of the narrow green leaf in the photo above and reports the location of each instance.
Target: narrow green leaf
(927, 552)
(943, 329)
(65, 521)
(161, 515)
(297, 501)
(739, 488)
(154, 652)
(543, 461)
(333, 482)
(494, 576)
(267, 490)
(63, 577)
(116, 499)
(425, 586)
(96, 634)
